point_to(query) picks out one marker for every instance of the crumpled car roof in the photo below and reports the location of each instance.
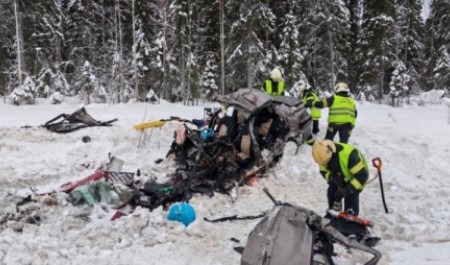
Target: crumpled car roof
(250, 101)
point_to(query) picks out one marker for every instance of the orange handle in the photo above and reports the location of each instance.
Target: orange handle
(356, 219)
(376, 162)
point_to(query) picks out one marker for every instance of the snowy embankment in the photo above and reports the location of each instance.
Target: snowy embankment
(413, 143)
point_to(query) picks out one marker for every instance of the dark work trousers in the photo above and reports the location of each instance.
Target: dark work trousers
(345, 130)
(315, 128)
(350, 202)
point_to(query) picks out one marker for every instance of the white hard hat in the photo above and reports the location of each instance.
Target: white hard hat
(275, 75)
(341, 87)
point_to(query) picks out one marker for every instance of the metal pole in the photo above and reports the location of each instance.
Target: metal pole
(448, 113)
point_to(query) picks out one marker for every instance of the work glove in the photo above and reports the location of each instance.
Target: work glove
(346, 190)
(337, 180)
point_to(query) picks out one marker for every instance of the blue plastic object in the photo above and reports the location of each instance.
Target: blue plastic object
(206, 133)
(182, 212)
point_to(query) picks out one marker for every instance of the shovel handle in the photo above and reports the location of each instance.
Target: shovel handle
(377, 163)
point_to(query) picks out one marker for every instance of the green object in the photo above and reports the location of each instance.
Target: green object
(99, 191)
(315, 112)
(269, 88)
(84, 193)
(344, 156)
(342, 110)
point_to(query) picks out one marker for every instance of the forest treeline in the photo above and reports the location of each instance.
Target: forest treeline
(117, 50)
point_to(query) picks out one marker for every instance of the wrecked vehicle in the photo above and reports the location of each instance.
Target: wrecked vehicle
(65, 123)
(232, 148)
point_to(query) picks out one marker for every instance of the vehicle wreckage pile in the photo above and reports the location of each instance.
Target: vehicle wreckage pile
(237, 142)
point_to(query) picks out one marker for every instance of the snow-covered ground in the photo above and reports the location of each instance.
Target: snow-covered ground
(413, 142)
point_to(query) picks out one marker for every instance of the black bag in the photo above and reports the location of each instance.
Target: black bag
(154, 194)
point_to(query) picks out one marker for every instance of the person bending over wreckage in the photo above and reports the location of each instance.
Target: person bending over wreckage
(345, 170)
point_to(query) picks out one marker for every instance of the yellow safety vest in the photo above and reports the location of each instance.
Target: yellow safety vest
(315, 112)
(349, 173)
(269, 91)
(342, 110)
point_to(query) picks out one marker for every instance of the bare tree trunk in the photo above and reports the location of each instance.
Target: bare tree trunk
(249, 75)
(58, 44)
(166, 86)
(398, 38)
(189, 64)
(103, 22)
(381, 81)
(89, 40)
(407, 33)
(249, 61)
(121, 81)
(135, 68)
(183, 64)
(331, 49)
(58, 52)
(183, 74)
(267, 34)
(222, 48)
(19, 40)
(114, 94)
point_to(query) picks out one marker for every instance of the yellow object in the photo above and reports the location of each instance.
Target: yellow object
(269, 90)
(147, 125)
(342, 110)
(322, 151)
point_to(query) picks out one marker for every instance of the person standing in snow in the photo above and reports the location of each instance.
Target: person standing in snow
(275, 85)
(342, 115)
(307, 93)
(346, 171)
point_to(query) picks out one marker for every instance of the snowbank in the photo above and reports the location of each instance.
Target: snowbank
(411, 141)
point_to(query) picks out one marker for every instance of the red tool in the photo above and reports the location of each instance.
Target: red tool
(377, 163)
(351, 218)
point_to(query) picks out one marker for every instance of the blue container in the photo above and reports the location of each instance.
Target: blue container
(206, 133)
(182, 212)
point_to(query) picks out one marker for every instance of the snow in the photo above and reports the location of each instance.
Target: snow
(412, 142)
(425, 11)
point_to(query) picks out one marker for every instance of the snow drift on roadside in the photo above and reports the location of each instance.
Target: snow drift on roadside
(412, 141)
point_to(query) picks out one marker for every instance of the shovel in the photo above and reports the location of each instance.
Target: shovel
(377, 163)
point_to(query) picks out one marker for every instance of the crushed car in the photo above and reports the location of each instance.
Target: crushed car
(244, 138)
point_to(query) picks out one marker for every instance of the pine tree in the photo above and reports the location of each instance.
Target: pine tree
(330, 42)
(25, 93)
(354, 69)
(208, 84)
(399, 84)
(409, 40)
(438, 45)
(141, 53)
(377, 46)
(250, 20)
(8, 62)
(290, 48)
